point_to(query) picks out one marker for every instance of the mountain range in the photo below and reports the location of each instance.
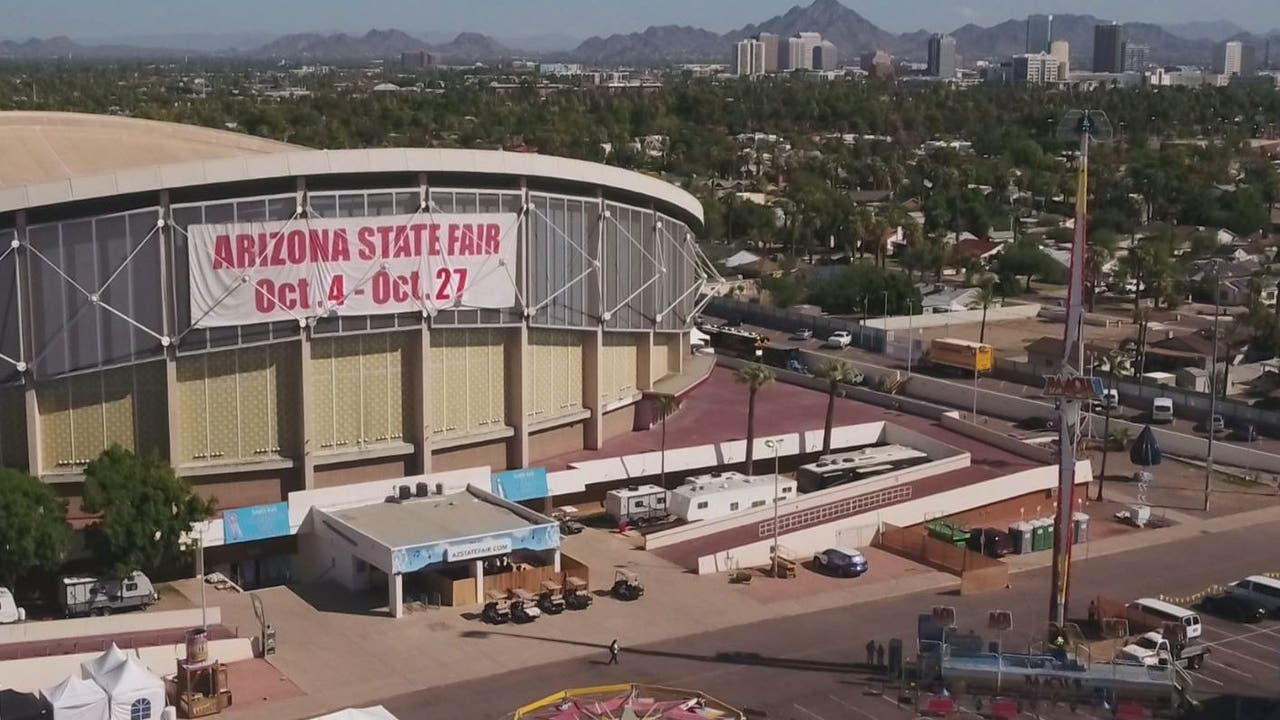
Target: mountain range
(852, 34)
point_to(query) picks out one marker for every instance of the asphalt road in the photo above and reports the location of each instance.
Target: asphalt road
(807, 667)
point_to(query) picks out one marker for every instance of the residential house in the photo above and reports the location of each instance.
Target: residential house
(940, 299)
(1193, 349)
(1044, 354)
(984, 251)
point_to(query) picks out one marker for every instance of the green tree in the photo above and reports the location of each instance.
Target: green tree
(836, 372)
(754, 377)
(146, 510)
(664, 404)
(33, 527)
(864, 285)
(986, 296)
(1024, 258)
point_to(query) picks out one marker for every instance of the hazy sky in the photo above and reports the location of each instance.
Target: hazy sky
(99, 18)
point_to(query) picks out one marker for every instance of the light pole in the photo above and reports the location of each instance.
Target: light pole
(911, 340)
(773, 445)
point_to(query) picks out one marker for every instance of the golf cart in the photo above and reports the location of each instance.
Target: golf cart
(524, 606)
(564, 516)
(551, 600)
(498, 610)
(626, 586)
(576, 596)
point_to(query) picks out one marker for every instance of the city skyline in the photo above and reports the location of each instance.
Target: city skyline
(575, 19)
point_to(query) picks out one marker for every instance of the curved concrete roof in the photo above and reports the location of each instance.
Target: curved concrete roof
(339, 162)
(39, 147)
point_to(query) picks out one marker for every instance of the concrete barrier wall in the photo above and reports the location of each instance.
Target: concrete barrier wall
(146, 621)
(964, 317)
(807, 501)
(1001, 440)
(34, 674)
(805, 542)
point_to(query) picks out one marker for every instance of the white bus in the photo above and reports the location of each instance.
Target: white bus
(1169, 612)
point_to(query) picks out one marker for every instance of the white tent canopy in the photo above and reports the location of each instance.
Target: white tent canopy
(136, 693)
(377, 712)
(77, 699)
(106, 662)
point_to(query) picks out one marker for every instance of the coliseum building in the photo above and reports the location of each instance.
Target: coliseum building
(583, 280)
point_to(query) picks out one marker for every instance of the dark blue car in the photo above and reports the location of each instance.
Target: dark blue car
(840, 562)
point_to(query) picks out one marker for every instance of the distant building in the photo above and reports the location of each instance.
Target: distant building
(1039, 33)
(942, 56)
(1061, 51)
(877, 63)
(750, 58)
(1136, 57)
(1108, 48)
(800, 50)
(418, 60)
(1035, 69)
(769, 42)
(1228, 58)
(825, 56)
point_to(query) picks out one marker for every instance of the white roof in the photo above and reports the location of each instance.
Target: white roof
(377, 712)
(95, 668)
(726, 482)
(129, 682)
(740, 258)
(851, 552)
(76, 699)
(636, 490)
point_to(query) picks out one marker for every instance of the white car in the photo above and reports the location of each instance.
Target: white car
(1145, 649)
(839, 339)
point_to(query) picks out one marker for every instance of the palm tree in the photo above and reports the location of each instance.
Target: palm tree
(754, 377)
(835, 372)
(665, 405)
(986, 296)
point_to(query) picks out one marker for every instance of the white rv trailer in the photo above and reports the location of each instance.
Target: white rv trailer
(840, 468)
(705, 497)
(637, 504)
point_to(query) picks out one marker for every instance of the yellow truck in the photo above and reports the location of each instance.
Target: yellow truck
(964, 355)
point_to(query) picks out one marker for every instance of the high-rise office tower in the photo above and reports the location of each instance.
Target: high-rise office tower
(1108, 48)
(942, 56)
(1039, 33)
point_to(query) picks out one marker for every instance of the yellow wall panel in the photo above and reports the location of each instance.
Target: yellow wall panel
(256, 402)
(358, 390)
(193, 415)
(82, 415)
(54, 401)
(234, 398)
(151, 409)
(223, 397)
(117, 408)
(437, 380)
(620, 366)
(87, 434)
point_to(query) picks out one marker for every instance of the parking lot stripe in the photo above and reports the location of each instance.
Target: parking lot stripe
(1201, 676)
(1250, 658)
(807, 711)
(1228, 668)
(1258, 645)
(854, 708)
(1233, 636)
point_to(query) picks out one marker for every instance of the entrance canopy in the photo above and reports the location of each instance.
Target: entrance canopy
(377, 712)
(409, 535)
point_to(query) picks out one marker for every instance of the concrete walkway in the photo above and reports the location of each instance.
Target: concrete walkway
(340, 659)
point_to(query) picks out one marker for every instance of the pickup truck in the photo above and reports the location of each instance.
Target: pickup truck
(1153, 649)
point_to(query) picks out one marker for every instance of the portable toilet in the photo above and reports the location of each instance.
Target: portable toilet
(1080, 528)
(1022, 535)
(1049, 530)
(1038, 534)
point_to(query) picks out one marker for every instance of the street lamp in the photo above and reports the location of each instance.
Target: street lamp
(773, 445)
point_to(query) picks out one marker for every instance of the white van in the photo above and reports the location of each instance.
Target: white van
(9, 610)
(1162, 410)
(1168, 612)
(1264, 590)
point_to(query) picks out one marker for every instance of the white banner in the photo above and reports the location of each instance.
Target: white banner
(246, 273)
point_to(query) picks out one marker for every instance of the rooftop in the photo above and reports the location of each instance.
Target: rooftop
(724, 482)
(429, 520)
(40, 147)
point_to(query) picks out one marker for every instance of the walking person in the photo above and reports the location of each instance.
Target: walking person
(880, 655)
(871, 653)
(613, 652)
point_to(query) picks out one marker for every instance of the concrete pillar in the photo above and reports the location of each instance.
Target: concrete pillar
(420, 396)
(35, 463)
(519, 377)
(686, 349)
(395, 594)
(173, 412)
(646, 356)
(477, 572)
(556, 561)
(592, 377)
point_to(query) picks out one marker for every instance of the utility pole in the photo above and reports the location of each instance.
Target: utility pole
(1085, 126)
(1213, 386)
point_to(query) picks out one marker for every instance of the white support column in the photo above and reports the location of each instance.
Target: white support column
(306, 462)
(686, 348)
(395, 594)
(593, 343)
(477, 572)
(556, 561)
(31, 408)
(173, 411)
(421, 398)
(519, 377)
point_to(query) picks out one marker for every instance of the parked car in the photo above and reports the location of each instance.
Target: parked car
(1162, 410)
(1244, 432)
(802, 334)
(841, 562)
(1215, 424)
(1038, 422)
(1232, 606)
(839, 339)
(1110, 400)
